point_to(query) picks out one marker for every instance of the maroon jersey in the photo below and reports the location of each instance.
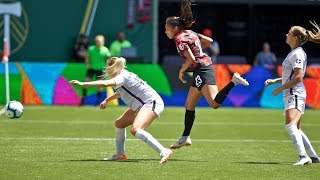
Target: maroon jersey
(187, 39)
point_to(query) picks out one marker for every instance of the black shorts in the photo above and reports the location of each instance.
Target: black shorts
(92, 72)
(204, 75)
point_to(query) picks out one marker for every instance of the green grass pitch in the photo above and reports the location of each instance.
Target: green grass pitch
(228, 143)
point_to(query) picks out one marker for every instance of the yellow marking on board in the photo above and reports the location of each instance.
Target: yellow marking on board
(110, 92)
(86, 16)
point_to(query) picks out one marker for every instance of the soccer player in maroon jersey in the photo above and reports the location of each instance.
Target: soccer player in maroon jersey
(189, 45)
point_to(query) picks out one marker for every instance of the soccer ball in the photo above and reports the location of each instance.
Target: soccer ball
(14, 109)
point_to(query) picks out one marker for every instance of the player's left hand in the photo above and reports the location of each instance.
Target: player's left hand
(181, 74)
(276, 91)
(269, 82)
(103, 104)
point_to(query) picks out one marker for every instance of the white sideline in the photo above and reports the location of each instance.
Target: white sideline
(155, 123)
(2, 111)
(171, 140)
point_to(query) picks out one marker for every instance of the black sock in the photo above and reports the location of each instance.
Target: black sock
(188, 122)
(225, 90)
(222, 94)
(84, 94)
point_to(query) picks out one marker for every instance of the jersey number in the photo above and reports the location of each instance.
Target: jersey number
(198, 81)
(198, 44)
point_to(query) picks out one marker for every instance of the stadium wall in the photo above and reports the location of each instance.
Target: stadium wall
(47, 84)
(48, 30)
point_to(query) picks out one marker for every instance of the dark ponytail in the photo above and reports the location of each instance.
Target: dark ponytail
(186, 16)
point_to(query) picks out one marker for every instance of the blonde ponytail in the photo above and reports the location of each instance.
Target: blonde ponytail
(314, 35)
(307, 35)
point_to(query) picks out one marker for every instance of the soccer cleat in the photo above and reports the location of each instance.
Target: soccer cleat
(183, 141)
(237, 79)
(165, 155)
(303, 160)
(115, 157)
(315, 159)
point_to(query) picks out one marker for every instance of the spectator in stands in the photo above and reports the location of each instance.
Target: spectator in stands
(116, 45)
(265, 57)
(95, 62)
(213, 50)
(80, 49)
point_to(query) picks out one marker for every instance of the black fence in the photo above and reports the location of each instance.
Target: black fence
(240, 29)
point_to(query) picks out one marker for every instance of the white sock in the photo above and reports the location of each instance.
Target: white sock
(120, 139)
(183, 138)
(307, 144)
(150, 140)
(296, 138)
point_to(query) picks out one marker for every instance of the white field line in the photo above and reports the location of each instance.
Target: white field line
(171, 140)
(155, 122)
(2, 111)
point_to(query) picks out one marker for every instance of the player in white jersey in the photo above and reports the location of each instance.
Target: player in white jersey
(294, 92)
(144, 104)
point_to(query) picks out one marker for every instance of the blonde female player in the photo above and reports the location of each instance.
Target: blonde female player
(189, 45)
(294, 91)
(144, 103)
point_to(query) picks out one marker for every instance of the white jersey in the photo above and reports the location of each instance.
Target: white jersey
(297, 58)
(134, 91)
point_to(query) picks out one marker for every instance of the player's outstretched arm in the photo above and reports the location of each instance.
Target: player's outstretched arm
(99, 83)
(104, 103)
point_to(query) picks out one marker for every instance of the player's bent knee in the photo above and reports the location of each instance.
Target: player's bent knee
(118, 124)
(291, 120)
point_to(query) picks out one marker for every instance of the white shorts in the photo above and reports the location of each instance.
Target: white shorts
(156, 106)
(295, 102)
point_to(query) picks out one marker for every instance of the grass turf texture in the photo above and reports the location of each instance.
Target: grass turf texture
(69, 143)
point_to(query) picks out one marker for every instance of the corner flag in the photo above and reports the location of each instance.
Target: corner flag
(5, 54)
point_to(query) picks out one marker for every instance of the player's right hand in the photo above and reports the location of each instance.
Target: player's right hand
(103, 105)
(76, 82)
(269, 82)
(181, 74)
